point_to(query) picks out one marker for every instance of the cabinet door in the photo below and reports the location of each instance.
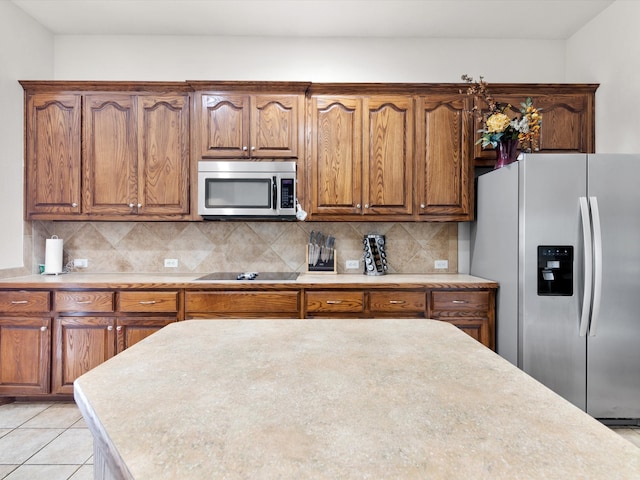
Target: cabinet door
(53, 154)
(445, 171)
(222, 121)
(336, 155)
(567, 124)
(79, 344)
(130, 331)
(387, 186)
(24, 355)
(163, 155)
(109, 167)
(275, 126)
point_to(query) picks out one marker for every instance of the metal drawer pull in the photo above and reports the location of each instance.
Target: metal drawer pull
(119, 328)
(109, 328)
(19, 302)
(147, 302)
(43, 329)
(397, 302)
(333, 302)
(459, 301)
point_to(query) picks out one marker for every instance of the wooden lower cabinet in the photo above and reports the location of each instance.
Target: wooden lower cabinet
(473, 311)
(93, 326)
(25, 342)
(24, 355)
(242, 304)
(365, 303)
(79, 344)
(130, 331)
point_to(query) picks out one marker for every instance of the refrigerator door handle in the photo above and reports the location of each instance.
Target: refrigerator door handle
(588, 266)
(597, 265)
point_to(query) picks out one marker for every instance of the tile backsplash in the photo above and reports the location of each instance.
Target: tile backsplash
(202, 247)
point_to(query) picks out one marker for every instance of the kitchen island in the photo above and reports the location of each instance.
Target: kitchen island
(354, 398)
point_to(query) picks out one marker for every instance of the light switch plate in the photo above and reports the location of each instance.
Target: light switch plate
(171, 262)
(441, 264)
(352, 264)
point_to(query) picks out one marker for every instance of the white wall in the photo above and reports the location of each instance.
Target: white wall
(305, 59)
(607, 51)
(26, 52)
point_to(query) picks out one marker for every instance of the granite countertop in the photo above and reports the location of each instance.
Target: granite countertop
(335, 399)
(190, 280)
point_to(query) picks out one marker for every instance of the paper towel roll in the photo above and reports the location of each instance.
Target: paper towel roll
(53, 256)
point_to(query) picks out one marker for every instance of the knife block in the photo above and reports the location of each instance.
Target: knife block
(328, 266)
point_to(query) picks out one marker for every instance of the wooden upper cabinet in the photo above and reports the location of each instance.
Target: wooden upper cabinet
(100, 150)
(240, 126)
(53, 154)
(567, 117)
(361, 156)
(445, 172)
(388, 155)
(163, 155)
(136, 154)
(110, 163)
(336, 155)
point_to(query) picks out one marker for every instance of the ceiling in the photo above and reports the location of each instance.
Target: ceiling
(540, 19)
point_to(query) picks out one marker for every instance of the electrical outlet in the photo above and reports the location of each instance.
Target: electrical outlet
(171, 262)
(80, 262)
(352, 264)
(441, 264)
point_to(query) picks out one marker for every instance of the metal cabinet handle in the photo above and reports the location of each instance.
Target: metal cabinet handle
(119, 328)
(43, 329)
(147, 302)
(422, 205)
(333, 302)
(244, 149)
(74, 204)
(139, 205)
(397, 302)
(253, 148)
(109, 328)
(357, 205)
(19, 302)
(366, 205)
(459, 301)
(131, 205)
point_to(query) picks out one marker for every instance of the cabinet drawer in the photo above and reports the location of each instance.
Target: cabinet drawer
(335, 301)
(148, 301)
(460, 301)
(84, 301)
(397, 301)
(24, 301)
(241, 302)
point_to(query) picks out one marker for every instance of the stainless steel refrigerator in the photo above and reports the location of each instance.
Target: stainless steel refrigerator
(561, 235)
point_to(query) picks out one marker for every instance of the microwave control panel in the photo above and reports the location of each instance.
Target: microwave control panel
(287, 193)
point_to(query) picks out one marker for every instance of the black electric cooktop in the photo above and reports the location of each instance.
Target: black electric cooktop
(250, 276)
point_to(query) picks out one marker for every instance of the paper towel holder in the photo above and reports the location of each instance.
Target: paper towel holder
(53, 256)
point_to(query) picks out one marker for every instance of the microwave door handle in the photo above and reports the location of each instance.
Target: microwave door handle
(275, 193)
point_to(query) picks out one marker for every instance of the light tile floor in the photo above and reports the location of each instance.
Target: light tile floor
(44, 441)
(50, 441)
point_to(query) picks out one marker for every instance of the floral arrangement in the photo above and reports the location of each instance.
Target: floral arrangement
(498, 126)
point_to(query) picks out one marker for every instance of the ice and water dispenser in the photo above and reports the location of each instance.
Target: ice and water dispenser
(555, 270)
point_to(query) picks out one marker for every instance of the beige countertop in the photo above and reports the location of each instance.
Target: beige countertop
(312, 399)
(189, 280)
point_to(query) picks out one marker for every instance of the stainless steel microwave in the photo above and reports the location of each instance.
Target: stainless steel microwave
(247, 189)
